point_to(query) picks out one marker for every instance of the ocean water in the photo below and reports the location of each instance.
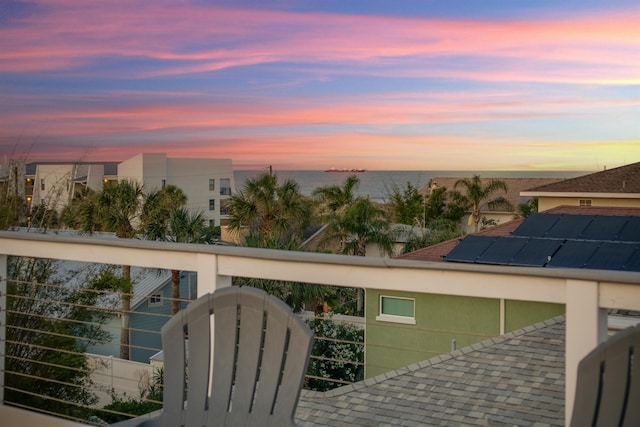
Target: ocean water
(378, 185)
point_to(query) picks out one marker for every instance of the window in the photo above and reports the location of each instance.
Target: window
(193, 286)
(225, 187)
(224, 207)
(397, 309)
(585, 202)
(212, 223)
(212, 184)
(164, 183)
(212, 204)
(155, 300)
(42, 184)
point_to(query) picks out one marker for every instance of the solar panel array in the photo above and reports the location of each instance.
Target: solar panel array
(559, 240)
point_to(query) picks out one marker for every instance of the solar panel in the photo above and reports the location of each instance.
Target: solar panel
(502, 250)
(470, 248)
(611, 256)
(536, 225)
(536, 252)
(574, 254)
(631, 231)
(570, 226)
(605, 228)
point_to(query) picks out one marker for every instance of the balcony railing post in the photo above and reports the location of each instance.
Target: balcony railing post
(3, 321)
(586, 327)
(208, 278)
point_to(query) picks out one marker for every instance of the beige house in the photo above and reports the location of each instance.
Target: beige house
(618, 187)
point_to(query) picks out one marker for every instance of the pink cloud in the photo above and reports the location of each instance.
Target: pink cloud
(85, 39)
(200, 38)
(105, 115)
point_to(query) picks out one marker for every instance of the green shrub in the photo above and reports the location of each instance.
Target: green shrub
(337, 354)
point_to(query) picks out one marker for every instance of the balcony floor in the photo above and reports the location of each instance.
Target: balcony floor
(516, 379)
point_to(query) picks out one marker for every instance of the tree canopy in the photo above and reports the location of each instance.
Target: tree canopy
(477, 193)
(49, 327)
(271, 210)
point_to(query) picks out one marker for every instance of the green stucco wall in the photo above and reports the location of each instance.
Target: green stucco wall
(519, 314)
(439, 320)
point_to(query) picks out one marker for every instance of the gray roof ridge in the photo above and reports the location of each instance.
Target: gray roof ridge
(435, 360)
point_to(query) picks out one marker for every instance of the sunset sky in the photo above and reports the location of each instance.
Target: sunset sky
(376, 84)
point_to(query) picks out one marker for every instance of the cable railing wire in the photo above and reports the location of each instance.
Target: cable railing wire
(104, 379)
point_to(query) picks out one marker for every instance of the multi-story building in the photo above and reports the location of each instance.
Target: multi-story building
(55, 184)
(207, 183)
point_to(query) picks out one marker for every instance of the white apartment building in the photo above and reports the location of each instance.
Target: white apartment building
(55, 184)
(207, 183)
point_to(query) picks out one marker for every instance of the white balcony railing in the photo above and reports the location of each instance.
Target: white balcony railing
(587, 294)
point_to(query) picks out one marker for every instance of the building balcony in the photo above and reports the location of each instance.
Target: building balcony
(521, 376)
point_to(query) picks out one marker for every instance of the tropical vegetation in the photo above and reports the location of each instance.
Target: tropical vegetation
(479, 193)
(271, 211)
(49, 327)
(266, 213)
(337, 356)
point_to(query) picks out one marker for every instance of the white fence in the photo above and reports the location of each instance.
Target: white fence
(125, 378)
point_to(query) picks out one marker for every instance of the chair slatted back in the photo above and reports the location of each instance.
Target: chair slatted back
(260, 356)
(608, 385)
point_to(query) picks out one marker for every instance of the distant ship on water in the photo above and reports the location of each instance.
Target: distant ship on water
(345, 170)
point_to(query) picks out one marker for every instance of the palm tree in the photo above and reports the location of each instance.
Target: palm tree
(353, 221)
(276, 215)
(478, 192)
(159, 205)
(527, 208)
(120, 207)
(182, 226)
(116, 208)
(270, 210)
(360, 223)
(335, 197)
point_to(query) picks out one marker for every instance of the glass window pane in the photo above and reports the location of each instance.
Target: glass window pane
(397, 306)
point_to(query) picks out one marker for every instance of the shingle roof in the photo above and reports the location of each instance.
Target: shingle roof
(515, 186)
(624, 179)
(438, 251)
(515, 379)
(595, 210)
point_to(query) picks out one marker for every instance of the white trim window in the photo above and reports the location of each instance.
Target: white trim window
(397, 309)
(155, 300)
